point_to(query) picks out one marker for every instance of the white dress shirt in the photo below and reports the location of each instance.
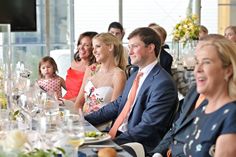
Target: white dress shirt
(146, 70)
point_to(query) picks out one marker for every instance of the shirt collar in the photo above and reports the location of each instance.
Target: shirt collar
(148, 68)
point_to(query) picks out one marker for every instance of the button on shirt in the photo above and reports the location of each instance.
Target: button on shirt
(146, 70)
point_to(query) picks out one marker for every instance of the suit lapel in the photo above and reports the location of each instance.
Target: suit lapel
(191, 116)
(155, 70)
(192, 100)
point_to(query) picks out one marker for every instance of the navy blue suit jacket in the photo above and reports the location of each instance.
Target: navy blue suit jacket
(166, 60)
(184, 115)
(152, 113)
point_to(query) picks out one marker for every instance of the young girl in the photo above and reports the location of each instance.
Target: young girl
(48, 79)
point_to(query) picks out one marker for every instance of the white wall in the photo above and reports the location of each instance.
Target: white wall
(97, 15)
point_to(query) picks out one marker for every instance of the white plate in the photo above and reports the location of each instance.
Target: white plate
(90, 140)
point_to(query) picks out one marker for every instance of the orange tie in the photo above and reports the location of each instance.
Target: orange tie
(127, 106)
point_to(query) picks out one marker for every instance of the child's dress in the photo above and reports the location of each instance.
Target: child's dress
(51, 86)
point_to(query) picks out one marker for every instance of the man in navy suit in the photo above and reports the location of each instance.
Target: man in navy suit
(156, 99)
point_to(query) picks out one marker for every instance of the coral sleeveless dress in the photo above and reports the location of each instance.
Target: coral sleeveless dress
(74, 79)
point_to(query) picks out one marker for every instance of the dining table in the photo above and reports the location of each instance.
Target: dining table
(47, 132)
(90, 148)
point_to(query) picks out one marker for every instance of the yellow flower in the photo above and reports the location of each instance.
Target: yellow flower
(186, 29)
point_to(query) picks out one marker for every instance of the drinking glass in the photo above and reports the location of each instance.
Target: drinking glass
(74, 131)
(27, 104)
(49, 131)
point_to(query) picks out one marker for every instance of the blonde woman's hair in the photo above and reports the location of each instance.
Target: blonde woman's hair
(226, 51)
(118, 52)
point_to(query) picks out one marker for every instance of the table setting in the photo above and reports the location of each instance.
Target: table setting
(32, 122)
(61, 131)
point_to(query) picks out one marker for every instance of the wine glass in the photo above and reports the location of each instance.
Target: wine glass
(27, 104)
(74, 131)
(49, 131)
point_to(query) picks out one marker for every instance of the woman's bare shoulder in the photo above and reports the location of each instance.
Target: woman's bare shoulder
(119, 73)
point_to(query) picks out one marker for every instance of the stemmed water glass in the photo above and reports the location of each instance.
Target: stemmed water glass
(28, 105)
(74, 131)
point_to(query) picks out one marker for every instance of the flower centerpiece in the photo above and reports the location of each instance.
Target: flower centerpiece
(185, 34)
(187, 29)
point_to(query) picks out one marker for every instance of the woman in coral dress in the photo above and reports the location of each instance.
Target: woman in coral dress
(82, 59)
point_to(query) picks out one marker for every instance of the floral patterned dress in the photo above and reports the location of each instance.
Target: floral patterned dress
(95, 98)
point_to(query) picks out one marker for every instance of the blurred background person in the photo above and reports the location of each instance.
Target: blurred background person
(82, 59)
(202, 32)
(230, 33)
(117, 30)
(165, 58)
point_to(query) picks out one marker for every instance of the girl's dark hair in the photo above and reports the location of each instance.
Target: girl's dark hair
(51, 61)
(89, 34)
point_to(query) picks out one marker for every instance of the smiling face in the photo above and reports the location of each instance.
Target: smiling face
(101, 51)
(138, 52)
(209, 72)
(85, 47)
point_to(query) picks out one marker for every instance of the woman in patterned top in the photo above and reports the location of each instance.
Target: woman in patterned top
(49, 81)
(212, 130)
(103, 82)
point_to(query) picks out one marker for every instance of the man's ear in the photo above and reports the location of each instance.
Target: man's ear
(123, 34)
(151, 47)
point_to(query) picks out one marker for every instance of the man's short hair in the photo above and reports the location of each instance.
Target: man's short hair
(116, 25)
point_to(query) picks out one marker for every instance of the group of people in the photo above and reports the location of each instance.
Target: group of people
(144, 106)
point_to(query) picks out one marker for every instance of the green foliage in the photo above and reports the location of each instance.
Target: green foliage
(36, 153)
(43, 153)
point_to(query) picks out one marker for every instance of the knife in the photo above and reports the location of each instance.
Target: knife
(117, 148)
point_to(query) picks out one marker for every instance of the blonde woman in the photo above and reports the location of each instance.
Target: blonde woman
(103, 82)
(212, 130)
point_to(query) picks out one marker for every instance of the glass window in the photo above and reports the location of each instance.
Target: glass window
(30, 47)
